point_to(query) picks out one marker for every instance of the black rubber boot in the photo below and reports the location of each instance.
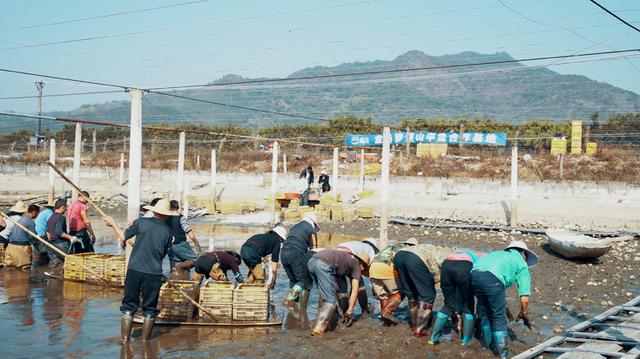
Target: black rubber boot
(147, 327)
(126, 324)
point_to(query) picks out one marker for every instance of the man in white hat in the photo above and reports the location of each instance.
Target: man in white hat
(370, 248)
(258, 247)
(385, 281)
(323, 181)
(19, 251)
(15, 212)
(490, 277)
(300, 239)
(144, 272)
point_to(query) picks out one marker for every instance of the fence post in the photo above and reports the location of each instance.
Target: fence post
(514, 183)
(384, 190)
(180, 176)
(77, 157)
(361, 181)
(336, 156)
(274, 181)
(52, 178)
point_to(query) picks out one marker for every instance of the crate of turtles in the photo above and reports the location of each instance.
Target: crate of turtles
(73, 266)
(97, 263)
(114, 269)
(172, 305)
(217, 297)
(251, 302)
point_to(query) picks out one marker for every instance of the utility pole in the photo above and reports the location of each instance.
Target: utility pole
(39, 87)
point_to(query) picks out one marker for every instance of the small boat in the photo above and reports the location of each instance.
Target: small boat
(576, 245)
(209, 323)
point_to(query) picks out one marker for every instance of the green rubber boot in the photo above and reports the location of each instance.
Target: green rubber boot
(486, 334)
(438, 326)
(501, 340)
(468, 323)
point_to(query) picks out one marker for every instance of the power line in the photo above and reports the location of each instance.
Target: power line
(104, 16)
(614, 15)
(60, 95)
(412, 69)
(62, 78)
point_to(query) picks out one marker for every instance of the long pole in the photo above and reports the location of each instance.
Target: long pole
(52, 247)
(77, 156)
(180, 177)
(135, 163)
(334, 187)
(187, 297)
(274, 181)
(384, 190)
(514, 183)
(52, 178)
(39, 87)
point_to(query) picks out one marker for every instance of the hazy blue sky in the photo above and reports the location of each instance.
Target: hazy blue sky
(204, 40)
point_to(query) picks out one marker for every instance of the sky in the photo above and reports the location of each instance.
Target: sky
(174, 42)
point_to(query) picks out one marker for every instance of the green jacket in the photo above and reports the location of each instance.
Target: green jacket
(509, 267)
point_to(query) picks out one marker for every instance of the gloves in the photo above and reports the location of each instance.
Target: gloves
(347, 319)
(525, 319)
(509, 314)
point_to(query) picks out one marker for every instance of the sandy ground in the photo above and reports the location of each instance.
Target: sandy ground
(610, 206)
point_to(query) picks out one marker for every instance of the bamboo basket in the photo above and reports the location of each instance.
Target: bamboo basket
(73, 266)
(172, 305)
(251, 302)
(217, 297)
(114, 269)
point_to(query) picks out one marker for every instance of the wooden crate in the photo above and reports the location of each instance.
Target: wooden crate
(217, 297)
(114, 269)
(251, 294)
(253, 312)
(97, 263)
(172, 305)
(73, 266)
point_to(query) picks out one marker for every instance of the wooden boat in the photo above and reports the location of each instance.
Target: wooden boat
(209, 323)
(96, 283)
(577, 245)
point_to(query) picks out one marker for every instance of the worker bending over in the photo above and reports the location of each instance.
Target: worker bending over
(300, 239)
(256, 248)
(180, 250)
(216, 264)
(370, 248)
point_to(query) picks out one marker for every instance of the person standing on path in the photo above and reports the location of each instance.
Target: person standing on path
(180, 250)
(307, 176)
(59, 236)
(323, 181)
(144, 272)
(40, 255)
(455, 282)
(301, 238)
(80, 226)
(385, 281)
(490, 277)
(18, 253)
(370, 248)
(256, 248)
(328, 268)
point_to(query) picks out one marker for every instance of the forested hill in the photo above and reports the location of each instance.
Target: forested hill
(510, 92)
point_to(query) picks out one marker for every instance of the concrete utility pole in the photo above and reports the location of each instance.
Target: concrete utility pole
(284, 163)
(121, 177)
(514, 182)
(39, 87)
(93, 150)
(361, 182)
(52, 173)
(384, 190)
(185, 208)
(461, 139)
(336, 158)
(124, 144)
(198, 162)
(214, 172)
(135, 162)
(274, 181)
(180, 177)
(408, 144)
(77, 156)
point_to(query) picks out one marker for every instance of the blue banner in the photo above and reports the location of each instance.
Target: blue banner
(399, 138)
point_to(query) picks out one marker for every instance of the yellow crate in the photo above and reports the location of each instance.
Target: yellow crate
(366, 194)
(114, 269)
(365, 212)
(172, 304)
(251, 312)
(337, 213)
(217, 297)
(292, 215)
(97, 263)
(251, 294)
(349, 214)
(73, 266)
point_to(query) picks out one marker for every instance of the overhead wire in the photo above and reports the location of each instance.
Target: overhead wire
(614, 15)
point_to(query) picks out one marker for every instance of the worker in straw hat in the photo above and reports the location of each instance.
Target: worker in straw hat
(385, 281)
(15, 212)
(258, 247)
(19, 251)
(328, 268)
(369, 247)
(144, 272)
(490, 277)
(300, 239)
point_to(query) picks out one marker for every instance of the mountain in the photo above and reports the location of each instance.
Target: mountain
(508, 91)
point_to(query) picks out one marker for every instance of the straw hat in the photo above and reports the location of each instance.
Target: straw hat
(532, 258)
(364, 258)
(163, 207)
(280, 231)
(51, 203)
(19, 207)
(373, 242)
(323, 172)
(411, 242)
(310, 218)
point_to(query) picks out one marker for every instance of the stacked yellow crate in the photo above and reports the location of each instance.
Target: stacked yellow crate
(365, 212)
(172, 305)
(251, 302)
(217, 297)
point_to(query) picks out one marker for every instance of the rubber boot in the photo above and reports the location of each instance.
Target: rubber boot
(126, 324)
(325, 314)
(304, 299)
(413, 312)
(147, 327)
(393, 304)
(468, 323)
(486, 334)
(501, 341)
(294, 293)
(422, 318)
(438, 328)
(363, 301)
(383, 303)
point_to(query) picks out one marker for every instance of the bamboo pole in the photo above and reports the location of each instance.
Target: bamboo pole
(54, 248)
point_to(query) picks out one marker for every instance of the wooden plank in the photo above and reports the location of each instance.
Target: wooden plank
(631, 308)
(583, 340)
(602, 335)
(619, 325)
(579, 350)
